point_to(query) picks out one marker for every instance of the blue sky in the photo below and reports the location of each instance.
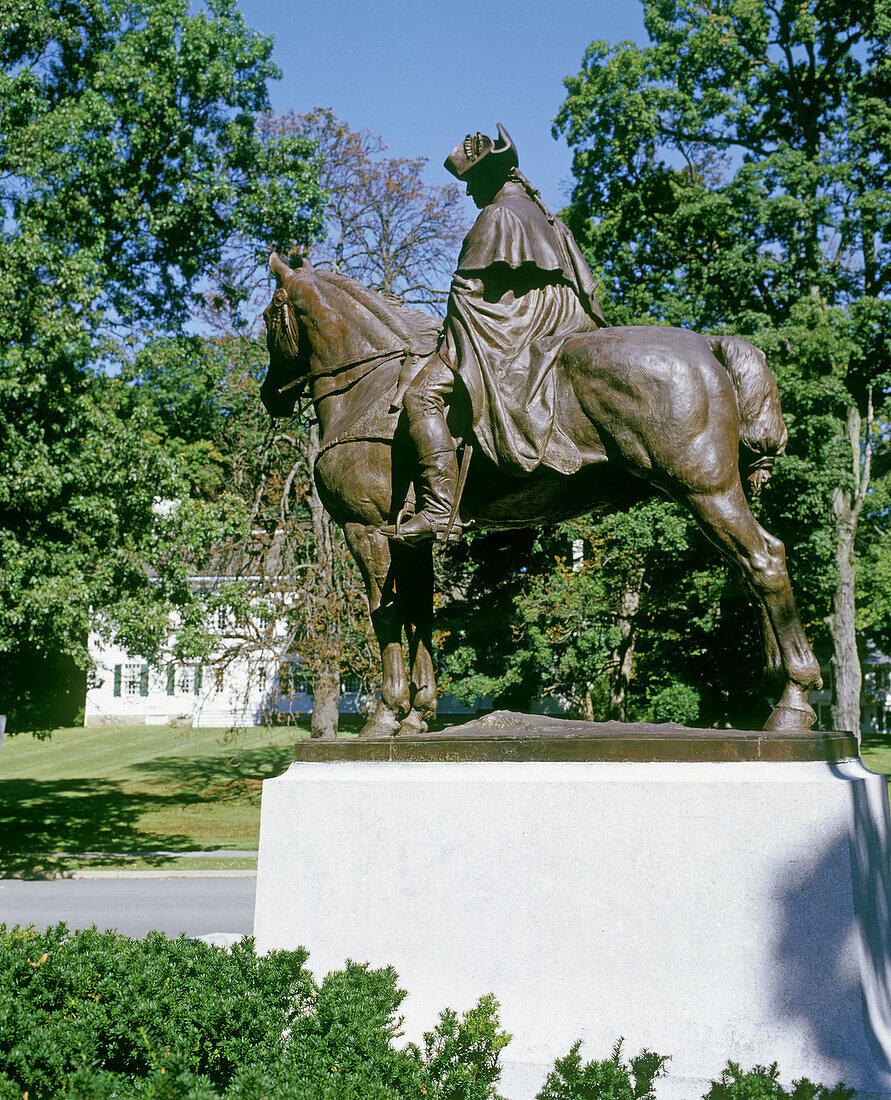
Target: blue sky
(421, 75)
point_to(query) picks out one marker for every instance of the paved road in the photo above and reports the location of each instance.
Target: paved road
(194, 906)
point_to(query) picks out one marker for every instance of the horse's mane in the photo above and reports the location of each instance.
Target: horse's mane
(408, 323)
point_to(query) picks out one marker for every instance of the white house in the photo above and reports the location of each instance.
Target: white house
(248, 680)
(126, 690)
(226, 690)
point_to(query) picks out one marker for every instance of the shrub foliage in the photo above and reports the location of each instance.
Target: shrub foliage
(93, 1015)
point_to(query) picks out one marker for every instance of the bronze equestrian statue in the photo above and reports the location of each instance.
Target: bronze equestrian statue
(552, 410)
(521, 288)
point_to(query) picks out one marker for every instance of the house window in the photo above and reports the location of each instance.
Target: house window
(350, 685)
(131, 679)
(221, 618)
(292, 679)
(578, 555)
(219, 678)
(183, 679)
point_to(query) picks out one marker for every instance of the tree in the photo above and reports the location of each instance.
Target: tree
(280, 588)
(129, 160)
(732, 175)
(621, 616)
(383, 225)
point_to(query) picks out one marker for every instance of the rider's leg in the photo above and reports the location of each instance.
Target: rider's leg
(424, 405)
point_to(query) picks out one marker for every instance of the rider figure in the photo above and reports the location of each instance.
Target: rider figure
(521, 287)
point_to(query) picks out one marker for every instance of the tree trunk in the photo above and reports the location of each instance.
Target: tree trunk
(325, 703)
(326, 622)
(845, 659)
(622, 655)
(846, 509)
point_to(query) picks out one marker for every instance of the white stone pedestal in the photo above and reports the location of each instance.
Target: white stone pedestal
(709, 911)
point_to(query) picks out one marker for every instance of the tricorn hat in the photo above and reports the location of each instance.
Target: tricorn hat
(478, 158)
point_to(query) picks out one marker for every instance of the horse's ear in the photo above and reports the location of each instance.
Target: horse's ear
(279, 268)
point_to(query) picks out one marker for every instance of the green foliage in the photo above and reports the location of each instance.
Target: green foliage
(248, 497)
(762, 1083)
(732, 175)
(129, 138)
(722, 157)
(677, 702)
(94, 1015)
(614, 1079)
(130, 164)
(98, 1004)
(610, 1079)
(557, 612)
(460, 1057)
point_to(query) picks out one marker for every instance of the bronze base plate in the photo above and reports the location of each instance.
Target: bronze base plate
(506, 736)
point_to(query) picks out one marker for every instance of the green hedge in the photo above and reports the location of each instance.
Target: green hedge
(615, 1079)
(94, 1016)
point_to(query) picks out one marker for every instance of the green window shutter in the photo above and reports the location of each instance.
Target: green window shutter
(198, 680)
(143, 680)
(117, 679)
(171, 679)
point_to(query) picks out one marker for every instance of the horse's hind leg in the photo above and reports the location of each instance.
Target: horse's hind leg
(774, 673)
(727, 520)
(414, 582)
(372, 553)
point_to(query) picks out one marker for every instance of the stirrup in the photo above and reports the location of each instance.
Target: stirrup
(436, 531)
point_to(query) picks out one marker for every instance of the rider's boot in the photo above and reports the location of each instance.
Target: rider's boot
(438, 463)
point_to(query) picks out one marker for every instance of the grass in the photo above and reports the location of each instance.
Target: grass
(875, 752)
(134, 790)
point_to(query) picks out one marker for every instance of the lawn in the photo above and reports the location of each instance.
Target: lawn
(875, 752)
(134, 789)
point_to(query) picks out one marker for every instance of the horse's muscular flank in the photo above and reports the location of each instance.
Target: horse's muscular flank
(761, 427)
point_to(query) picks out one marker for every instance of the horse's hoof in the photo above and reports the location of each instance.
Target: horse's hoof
(412, 725)
(383, 723)
(794, 719)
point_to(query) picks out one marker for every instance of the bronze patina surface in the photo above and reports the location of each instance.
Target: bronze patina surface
(504, 736)
(553, 411)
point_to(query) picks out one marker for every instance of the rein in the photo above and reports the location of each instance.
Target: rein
(326, 372)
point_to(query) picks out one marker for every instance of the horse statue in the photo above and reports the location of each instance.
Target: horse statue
(650, 409)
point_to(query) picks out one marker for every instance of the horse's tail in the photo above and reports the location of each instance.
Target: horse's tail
(761, 427)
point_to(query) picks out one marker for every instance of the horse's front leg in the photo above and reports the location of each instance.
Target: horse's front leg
(414, 585)
(372, 553)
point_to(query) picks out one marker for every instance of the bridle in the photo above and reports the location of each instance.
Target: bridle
(285, 320)
(369, 361)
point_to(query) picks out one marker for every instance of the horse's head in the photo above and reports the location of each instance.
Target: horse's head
(287, 365)
(320, 322)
